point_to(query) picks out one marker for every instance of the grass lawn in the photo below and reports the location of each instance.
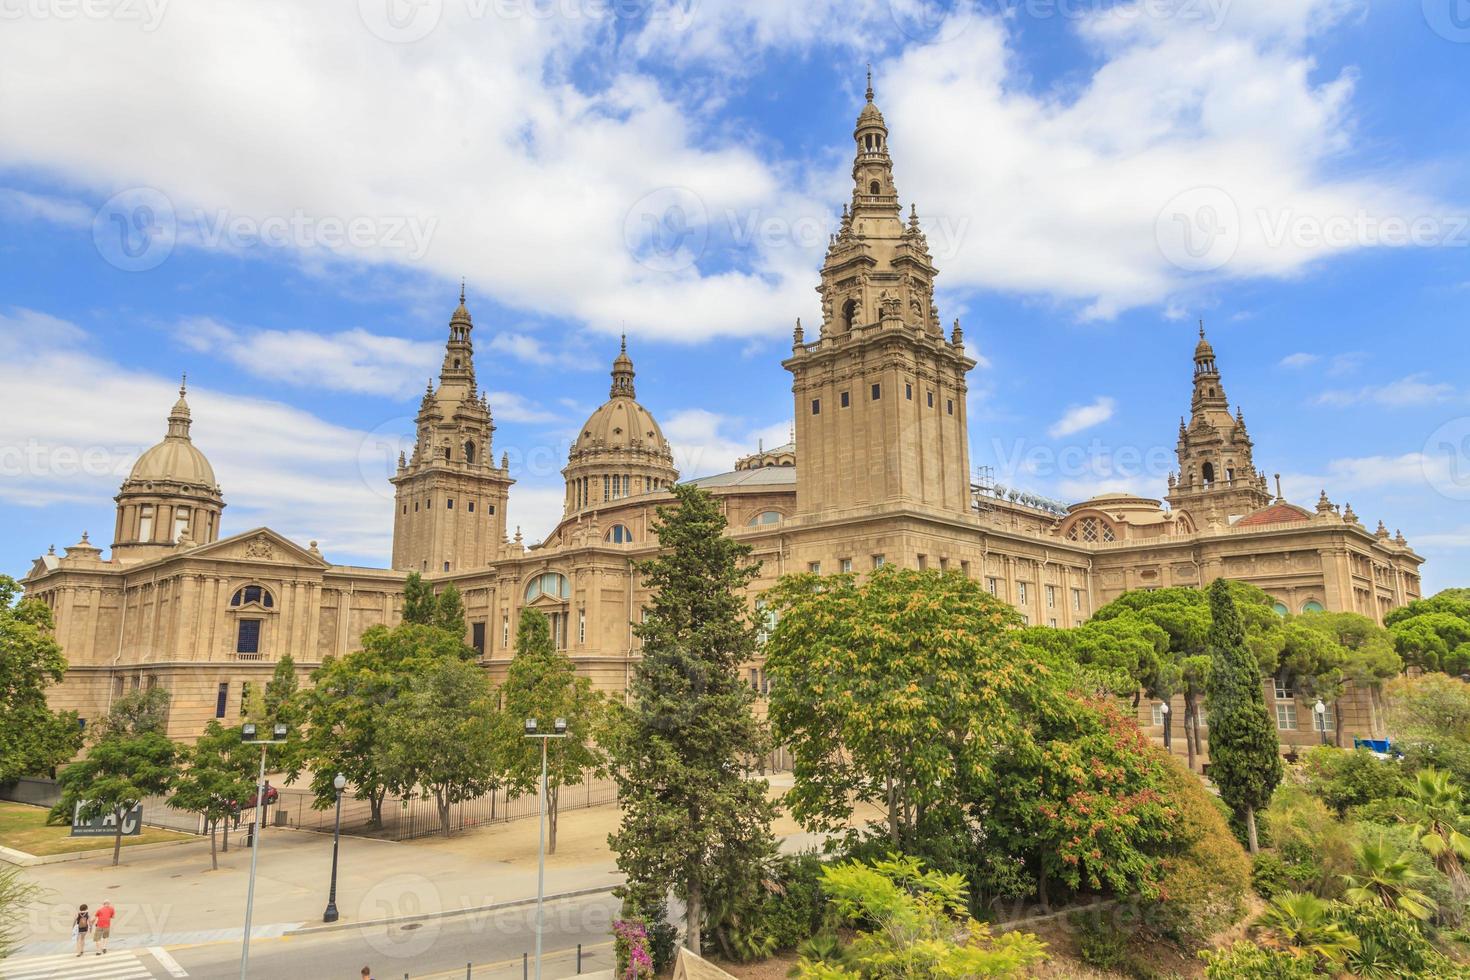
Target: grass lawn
(24, 828)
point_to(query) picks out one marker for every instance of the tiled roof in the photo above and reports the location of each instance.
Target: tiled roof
(762, 476)
(1278, 513)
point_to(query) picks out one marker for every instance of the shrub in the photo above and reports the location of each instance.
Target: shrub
(1315, 846)
(1205, 881)
(786, 909)
(1245, 961)
(630, 945)
(1343, 778)
(1099, 943)
(1430, 879)
(1271, 876)
(1392, 944)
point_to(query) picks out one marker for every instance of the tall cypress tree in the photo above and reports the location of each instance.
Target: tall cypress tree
(685, 749)
(1245, 751)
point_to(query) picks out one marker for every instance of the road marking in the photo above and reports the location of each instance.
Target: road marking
(117, 965)
(167, 962)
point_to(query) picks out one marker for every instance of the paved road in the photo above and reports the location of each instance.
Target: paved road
(492, 942)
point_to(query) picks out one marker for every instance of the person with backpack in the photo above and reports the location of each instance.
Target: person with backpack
(80, 926)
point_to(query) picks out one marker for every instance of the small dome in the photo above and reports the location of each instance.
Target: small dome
(176, 459)
(621, 425)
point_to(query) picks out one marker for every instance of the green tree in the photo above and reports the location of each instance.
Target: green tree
(542, 683)
(1316, 660)
(438, 741)
(890, 691)
(449, 612)
(913, 922)
(1434, 633)
(1386, 876)
(1429, 717)
(684, 750)
(283, 702)
(138, 711)
(220, 772)
(128, 762)
(33, 738)
(419, 604)
(1245, 754)
(1368, 650)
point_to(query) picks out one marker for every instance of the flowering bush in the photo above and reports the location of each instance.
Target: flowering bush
(630, 942)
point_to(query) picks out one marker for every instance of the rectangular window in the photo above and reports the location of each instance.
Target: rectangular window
(755, 679)
(117, 687)
(1076, 600)
(875, 392)
(492, 509)
(581, 626)
(816, 406)
(449, 503)
(923, 562)
(1021, 593)
(1051, 597)
(145, 523)
(931, 399)
(845, 400)
(1286, 716)
(1284, 688)
(814, 567)
(181, 522)
(949, 406)
(846, 565)
(1157, 710)
(1025, 620)
(505, 632)
(471, 506)
(477, 637)
(135, 682)
(878, 561)
(152, 682)
(944, 564)
(221, 699)
(1052, 622)
(1325, 722)
(992, 585)
(965, 569)
(908, 391)
(247, 639)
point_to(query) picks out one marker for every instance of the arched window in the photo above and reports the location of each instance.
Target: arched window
(765, 517)
(253, 595)
(469, 452)
(554, 584)
(1208, 473)
(619, 534)
(875, 188)
(1312, 605)
(1279, 608)
(849, 311)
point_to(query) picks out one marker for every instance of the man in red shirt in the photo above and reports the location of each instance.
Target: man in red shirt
(103, 928)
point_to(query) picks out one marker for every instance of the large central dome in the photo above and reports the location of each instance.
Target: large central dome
(620, 451)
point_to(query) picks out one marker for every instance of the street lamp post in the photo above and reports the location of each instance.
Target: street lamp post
(339, 783)
(1164, 711)
(531, 732)
(249, 733)
(1320, 710)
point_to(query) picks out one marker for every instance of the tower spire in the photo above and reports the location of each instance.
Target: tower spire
(870, 82)
(622, 373)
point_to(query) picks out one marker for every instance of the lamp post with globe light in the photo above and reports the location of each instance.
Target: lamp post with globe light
(1320, 710)
(339, 783)
(560, 726)
(1164, 713)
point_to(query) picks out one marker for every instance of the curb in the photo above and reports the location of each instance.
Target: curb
(21, 859)
(446, 913)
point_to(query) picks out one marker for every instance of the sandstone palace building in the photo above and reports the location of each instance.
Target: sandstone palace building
(878, 471)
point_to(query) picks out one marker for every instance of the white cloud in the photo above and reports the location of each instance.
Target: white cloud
(549, 195)
(1342, 477)
(1080, 417)
(1299, 360)
(349, 360)
(515, 407)
(1408, 391)
(703, 442)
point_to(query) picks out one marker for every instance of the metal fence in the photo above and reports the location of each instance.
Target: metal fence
(156, 811)
(408, 818)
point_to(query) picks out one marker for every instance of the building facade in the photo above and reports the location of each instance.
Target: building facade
(877, 471)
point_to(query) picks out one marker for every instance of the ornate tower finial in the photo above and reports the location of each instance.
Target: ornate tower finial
(1202, 329)
(622, 373)
(870, 82)
(1278, 487)
(461, 290)
(183, 384)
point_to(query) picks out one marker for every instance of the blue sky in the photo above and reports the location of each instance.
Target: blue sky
(302, 187)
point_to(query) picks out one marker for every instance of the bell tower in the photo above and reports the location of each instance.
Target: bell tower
(1217, 474)
(449, 504)
(880, 395)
